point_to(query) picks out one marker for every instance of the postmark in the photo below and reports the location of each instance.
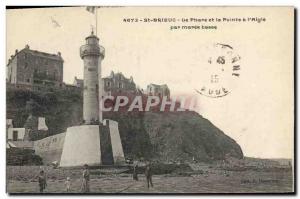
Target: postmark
(221, 69)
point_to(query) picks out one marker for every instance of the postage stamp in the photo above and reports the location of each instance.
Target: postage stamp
(222, 68)
(149, 100)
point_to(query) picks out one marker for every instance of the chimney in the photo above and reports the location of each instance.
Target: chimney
(27, 46)
(16, 52)
(59, 54)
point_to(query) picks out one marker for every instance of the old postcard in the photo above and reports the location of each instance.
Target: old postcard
(144, 100)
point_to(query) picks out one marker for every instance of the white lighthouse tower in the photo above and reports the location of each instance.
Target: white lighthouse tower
(97, 141)
(92, 54)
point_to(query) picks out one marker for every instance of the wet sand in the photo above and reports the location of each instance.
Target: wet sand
(21, 180)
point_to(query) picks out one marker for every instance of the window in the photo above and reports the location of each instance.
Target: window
(28, 80)
(91, 69)
(108, 84)
(120, 85)
(15, 135)
(26, 65)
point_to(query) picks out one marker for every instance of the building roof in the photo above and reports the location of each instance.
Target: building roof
(44, 55)
(92, 36)
(159, 86)
(80, 81)
(118, 74)
(37, 53)
(20, 144)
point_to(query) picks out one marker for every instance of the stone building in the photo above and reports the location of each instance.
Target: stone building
(117, 82)
(35, 128)
(15, 137)
(158, 90)
(78, 82)
(29, 67)
(114, 83)
(15, 134)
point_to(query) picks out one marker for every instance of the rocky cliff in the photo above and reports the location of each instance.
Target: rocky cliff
(163, 136)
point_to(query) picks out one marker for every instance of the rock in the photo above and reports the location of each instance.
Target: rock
(176, 137)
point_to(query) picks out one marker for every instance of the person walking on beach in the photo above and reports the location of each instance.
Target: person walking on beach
(42, 181)
(85, 186)
(148, 174)
(68, 184)
(135, 174)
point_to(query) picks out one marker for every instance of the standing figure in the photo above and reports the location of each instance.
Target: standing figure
(85, 187)
(135, 174)
(42, 181)
(148, 174)
(68, 184)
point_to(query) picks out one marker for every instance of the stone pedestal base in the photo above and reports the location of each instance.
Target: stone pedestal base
(81, 146)
(92, 145)
(115, 141)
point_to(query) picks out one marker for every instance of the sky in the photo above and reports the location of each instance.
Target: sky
(258, 111)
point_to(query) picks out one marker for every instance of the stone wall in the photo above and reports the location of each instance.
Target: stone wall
(106, 148)
(50, 148)
(117, 148)
(12, 71)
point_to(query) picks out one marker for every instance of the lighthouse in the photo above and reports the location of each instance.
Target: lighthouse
(97, 141)
(92, 54)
